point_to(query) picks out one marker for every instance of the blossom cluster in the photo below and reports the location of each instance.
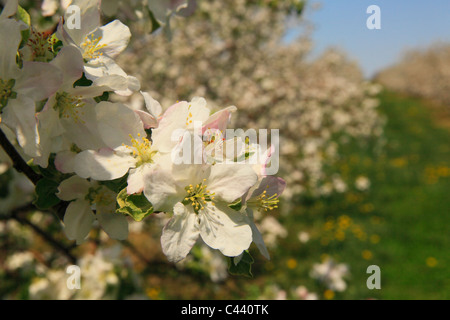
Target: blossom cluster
(101, 275)
(112, 161)
(421, 72)
(319, 105)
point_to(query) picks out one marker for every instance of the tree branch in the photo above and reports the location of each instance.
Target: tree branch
(18, 163)
(18, 215)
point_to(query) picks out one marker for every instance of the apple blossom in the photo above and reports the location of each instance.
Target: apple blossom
(68, 117)
(99, 45)
(198, 196)
(87, 196)
(128, 148)
(20, 88)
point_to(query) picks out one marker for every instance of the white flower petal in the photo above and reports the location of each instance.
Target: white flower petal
(70, 61)
(10, 38)
(38, 80)
(9, 9)
(161, 190)
(65, 161)
(82, 129)
(257, 236)
(225, 229)
(19, 116)
(116, 122)
(231, 181)
(180, 233)
(103, 165)
(78, 220)
(115, 36)
(73, 188)
(135, 181)
(153, 106)
(90, 20)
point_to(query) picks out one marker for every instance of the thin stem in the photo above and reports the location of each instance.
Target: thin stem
(18, 215)
(18, 163)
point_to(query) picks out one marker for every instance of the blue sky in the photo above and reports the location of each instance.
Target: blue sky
(405, 24)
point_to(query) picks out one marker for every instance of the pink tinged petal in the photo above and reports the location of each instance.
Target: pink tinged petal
(114, 224)
(38, 80)
(180, 233)
(10, 38)
(230, 181)
(161, 190)
(178, 117)
(102, 165)
(115, 36)
(272, 185)
(78, 220)
(65, 161)
(73, 188)
(70, 61)
(147, 119)
(219, 120)
(225, 229)
(116, 122)
(173, 120)
(265, 159)
(19, 116)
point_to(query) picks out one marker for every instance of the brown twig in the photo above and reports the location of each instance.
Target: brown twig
(18, 163)
(19, 215)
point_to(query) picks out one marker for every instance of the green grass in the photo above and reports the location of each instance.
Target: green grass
(413, 196)
(402, 220)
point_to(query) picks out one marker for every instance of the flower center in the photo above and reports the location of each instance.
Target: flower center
(69, 106)
(41, 45)
(264, 202)
(142, 150)
(198, 195)
(92, 48)
(100, 196)
(189, 117)
(6, 92)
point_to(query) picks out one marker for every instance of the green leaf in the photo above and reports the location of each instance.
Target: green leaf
(51, 173)
(116, 185)
(103, 97)
(237, 205)
(57, 44)
(155, 24)
(82, 82)
(135, 205)
(243, 268)
(45, 194)
(23, 16)
(5, 180)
